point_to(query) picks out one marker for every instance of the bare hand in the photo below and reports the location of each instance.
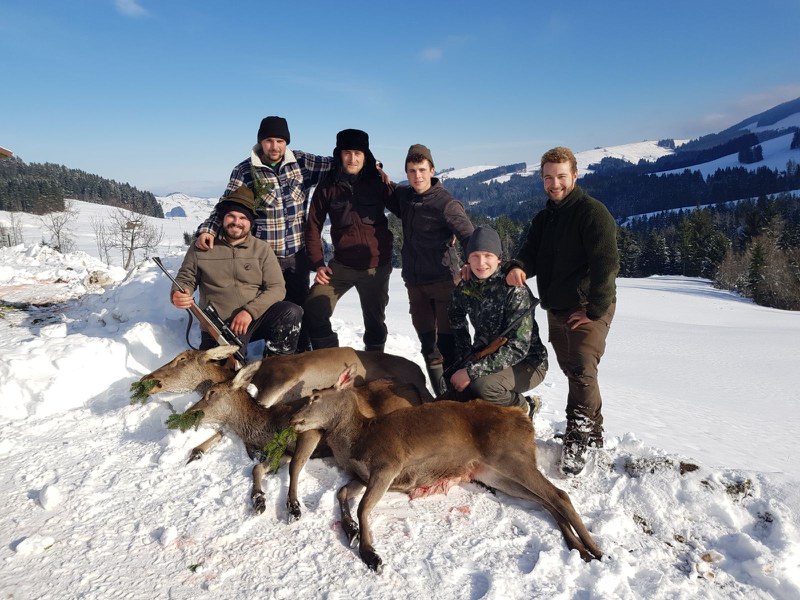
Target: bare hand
(516, 277)
(204, 241)
(384, 177)
(323, 276)
(182, 299)
(577, 319)
(460, 380)
(241, 322)
(465, 273)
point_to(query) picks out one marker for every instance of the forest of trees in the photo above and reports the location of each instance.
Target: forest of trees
(41, 189)
(750, 246)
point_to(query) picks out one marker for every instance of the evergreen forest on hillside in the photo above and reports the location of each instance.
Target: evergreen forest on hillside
(41, 189)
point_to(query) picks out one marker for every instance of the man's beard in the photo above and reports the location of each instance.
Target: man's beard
(235, 233)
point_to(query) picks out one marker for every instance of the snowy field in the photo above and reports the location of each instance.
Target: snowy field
(97, 500)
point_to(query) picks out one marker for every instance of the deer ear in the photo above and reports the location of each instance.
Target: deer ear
(220, 352)
(346, 378)
(245, 375)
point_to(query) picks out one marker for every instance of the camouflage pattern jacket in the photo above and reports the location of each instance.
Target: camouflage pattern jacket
(492, 305)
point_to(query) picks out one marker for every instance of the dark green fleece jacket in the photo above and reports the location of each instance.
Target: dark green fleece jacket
(571, 248)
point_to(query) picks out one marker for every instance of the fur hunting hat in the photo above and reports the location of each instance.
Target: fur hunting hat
(352, 139)
(241, 200)
(273, 127)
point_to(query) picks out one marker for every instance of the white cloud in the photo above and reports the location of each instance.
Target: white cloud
(431, 54)
(131, 8)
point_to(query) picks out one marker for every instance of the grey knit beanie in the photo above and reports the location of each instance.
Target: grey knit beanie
(484, 239)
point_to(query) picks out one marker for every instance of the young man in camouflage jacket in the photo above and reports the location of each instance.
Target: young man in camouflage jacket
(492, 307)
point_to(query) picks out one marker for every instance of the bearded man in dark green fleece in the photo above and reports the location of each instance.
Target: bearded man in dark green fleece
(571, 248)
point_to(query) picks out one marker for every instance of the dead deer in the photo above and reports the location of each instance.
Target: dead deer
(279, 378)
(282, 377)
(191, 370)
(421, 446)
(229, 405)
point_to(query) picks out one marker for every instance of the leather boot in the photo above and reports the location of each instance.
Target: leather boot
(329, 341)
(435, 374)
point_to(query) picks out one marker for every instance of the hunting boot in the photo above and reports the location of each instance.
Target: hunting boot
(436, 375)
(329, 341)
(534, 405)
(580, 435)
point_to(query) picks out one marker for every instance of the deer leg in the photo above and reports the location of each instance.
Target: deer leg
(257, 493)
(304, 447)
(199, 451)
(345, 493)
(523, 480)
(379, 482)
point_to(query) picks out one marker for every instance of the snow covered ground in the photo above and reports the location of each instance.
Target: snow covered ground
(97, 500)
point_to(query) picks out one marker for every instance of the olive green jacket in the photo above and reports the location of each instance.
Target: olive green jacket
(246, 276)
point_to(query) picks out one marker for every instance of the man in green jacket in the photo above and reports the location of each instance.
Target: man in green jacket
(241, 277)
(571, 248)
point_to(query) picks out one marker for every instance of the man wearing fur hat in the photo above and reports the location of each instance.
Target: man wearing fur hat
(495, 308)
(240, 276)
(280, 180)
(432, 221)
(354, 196)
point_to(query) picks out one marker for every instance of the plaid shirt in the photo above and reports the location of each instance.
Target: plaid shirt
(281, 197)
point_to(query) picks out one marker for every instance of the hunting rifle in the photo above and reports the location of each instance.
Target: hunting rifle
(208, 319)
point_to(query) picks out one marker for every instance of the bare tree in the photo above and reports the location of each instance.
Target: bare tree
(58, 225)
(103, 238)
(134, 235)
(15, 220)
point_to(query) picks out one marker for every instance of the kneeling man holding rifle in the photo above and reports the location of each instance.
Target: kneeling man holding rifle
(241, 278)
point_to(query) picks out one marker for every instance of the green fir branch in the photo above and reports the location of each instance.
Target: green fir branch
(261, 188)
(140, 390)
(185, 421)
(276, 448)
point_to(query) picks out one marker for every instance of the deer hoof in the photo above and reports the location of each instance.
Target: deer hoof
(372, 560)
(351, 531)
(196, 454)
(259, 502)
(293, 506)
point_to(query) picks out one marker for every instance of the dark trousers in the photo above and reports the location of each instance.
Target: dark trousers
(372, 286)
(279, 327)
(579, 352)
(428, 303)
(295, 270)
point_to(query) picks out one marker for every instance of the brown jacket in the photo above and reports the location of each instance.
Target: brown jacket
(359, 227)
(247, 276)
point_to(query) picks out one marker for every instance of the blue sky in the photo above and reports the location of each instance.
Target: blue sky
(168, 95)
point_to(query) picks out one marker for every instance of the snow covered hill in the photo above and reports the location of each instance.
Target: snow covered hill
(694, 496)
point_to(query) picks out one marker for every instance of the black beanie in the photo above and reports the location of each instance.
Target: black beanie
(352, 139)
(484, 239)
(273, 127)
(241, 200)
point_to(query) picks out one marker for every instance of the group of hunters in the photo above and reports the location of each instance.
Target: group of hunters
(253, 255)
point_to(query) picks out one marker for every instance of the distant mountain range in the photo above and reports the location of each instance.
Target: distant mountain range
(764, 140)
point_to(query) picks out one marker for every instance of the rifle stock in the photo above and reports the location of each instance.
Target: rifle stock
(474, 355)
(208, 319)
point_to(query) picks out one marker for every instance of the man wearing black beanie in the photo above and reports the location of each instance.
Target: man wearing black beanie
(280, 180)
